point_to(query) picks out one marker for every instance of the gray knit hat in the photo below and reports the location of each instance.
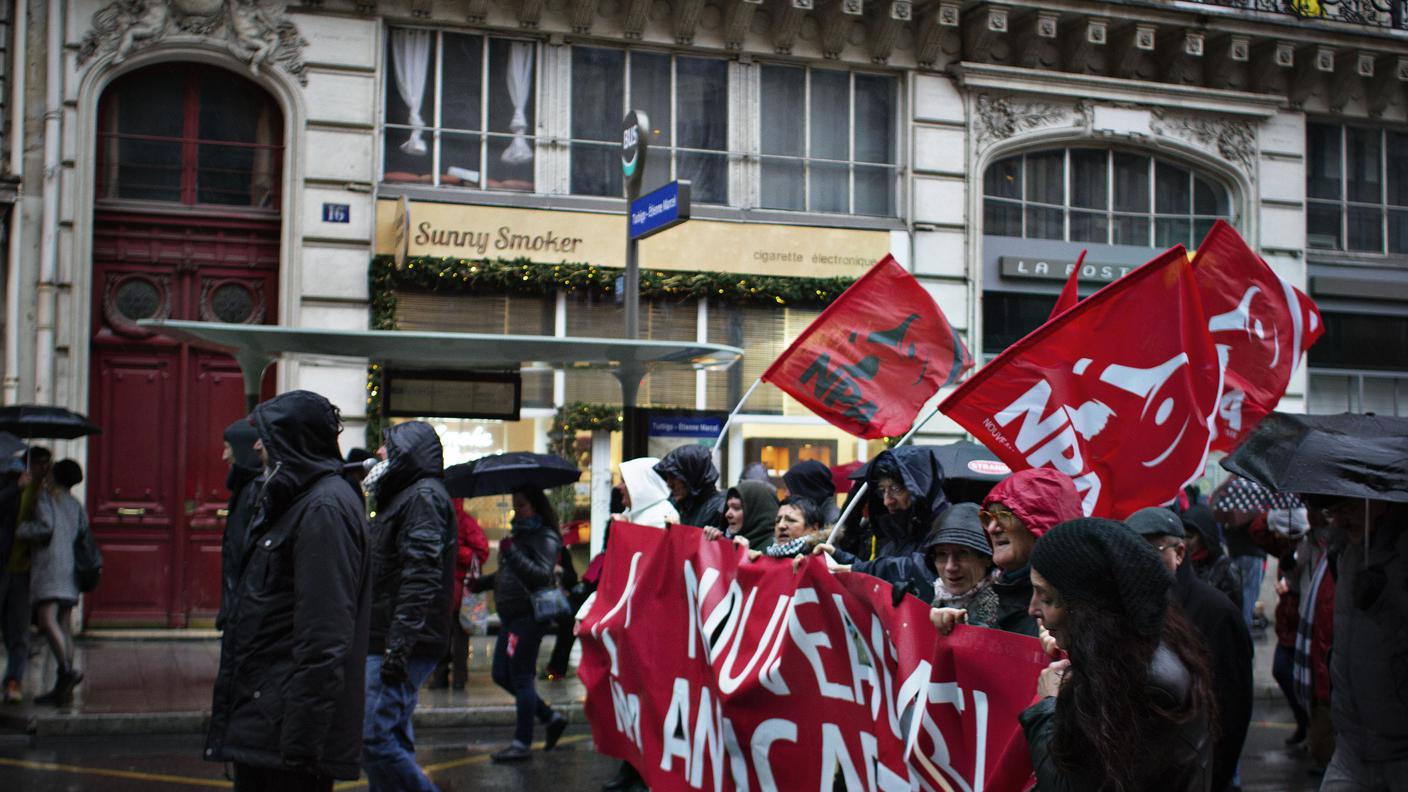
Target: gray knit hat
(960, 526)
(1104, 563)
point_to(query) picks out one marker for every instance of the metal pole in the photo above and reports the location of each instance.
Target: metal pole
(635, 145)
(729, 421)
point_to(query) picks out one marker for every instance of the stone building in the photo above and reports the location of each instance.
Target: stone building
(356, 163)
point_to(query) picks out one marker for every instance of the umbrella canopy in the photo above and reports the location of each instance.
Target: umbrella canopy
(32, 420)
(1244, 495)
(970, 470)
(10, 445)
(1347, 456)
(504, 473)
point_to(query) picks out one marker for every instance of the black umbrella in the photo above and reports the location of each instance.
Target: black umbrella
(970, 470)
(504, 473)
(10, 445)
(33, 420)
(1346, 456)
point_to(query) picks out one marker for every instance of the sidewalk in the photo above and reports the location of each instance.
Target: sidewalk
(160, 681)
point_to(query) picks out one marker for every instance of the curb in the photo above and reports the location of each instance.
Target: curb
(98, 724)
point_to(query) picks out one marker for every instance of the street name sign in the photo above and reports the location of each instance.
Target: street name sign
(660, 209)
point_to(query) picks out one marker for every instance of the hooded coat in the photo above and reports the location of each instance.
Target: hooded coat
(903, 539)
(414, 540)
(290, 688)
(694, 465)
(1214, 567)
(242, 482)
(759, 513)
(1230, 651)
(812, 480)
(650, 497)
(1041, 498)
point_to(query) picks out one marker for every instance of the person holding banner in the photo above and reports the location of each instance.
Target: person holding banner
(1015, 514)
(961, 557)
(647, 498)
(690, 473)
(798, 528)
(910, 481)
(1131, 710)
(812, 480)
(750, 511)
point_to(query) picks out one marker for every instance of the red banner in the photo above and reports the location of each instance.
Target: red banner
(1265, 323)
(1117, 392)
(874, 356)
(709, 671)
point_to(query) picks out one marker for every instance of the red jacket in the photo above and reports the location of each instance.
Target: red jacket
(474, 546)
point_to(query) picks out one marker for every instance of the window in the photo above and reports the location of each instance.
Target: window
(189, 134)
(1103, 196)
(687, 102)
(660, 320)
(1356, 189)
(1360, 364)
(459, 110)
(1010, 316)
(827, 140)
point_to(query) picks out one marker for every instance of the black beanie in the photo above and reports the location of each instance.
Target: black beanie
(1105, 564)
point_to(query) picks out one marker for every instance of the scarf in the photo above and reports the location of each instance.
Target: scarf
(980, 601)
(1303, 675)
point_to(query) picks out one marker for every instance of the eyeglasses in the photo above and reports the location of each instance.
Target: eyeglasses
(986, 517)
(1169, 546)
(893, 490)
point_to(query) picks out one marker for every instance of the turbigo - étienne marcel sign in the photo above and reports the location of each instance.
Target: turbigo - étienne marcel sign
(466, 231)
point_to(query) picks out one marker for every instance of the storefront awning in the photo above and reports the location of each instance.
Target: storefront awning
(256, 346)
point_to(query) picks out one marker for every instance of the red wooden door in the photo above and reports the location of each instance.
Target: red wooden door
(156, 493)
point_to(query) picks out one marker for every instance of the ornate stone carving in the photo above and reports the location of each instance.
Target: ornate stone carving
(258, 32)
(1001, 117)
(1234, 141)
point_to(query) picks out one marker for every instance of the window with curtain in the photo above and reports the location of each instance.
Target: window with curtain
(1103, 196)
(1356, 189)
(459, 110)
(687, 100)
(190, 134)
(828, 140)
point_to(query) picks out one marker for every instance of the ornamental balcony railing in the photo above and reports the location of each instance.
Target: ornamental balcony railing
(1391, 14)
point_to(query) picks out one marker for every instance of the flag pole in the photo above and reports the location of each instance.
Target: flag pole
(860, 493)
(719, 443)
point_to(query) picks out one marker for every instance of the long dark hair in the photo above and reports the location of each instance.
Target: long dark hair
(542, 507)
(1104, 711)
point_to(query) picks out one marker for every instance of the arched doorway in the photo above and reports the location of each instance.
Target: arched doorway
(186, 225)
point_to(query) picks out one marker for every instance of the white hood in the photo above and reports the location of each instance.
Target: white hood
(650, 504)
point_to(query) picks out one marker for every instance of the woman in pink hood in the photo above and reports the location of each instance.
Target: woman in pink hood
(1020, 509)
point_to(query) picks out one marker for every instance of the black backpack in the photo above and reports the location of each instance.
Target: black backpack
(87, 560)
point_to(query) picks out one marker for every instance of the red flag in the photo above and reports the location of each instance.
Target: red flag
(1118, 393)
(874, 356)
(1070, 293)
(1265, 323)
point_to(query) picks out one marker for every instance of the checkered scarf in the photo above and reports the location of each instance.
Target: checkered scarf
(1303, 675)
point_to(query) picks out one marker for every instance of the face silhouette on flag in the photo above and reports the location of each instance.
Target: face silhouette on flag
(874, 356)
(1118, 392)
(1265, 323)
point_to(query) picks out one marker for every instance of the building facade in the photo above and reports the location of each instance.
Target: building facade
(270, 162)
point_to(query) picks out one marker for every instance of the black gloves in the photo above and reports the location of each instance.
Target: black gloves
(393, 668)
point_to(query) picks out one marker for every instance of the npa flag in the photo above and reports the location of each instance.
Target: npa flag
(1265, 323)
(708, 671)
(1070, 293)
(1119, 392)
(874, 356)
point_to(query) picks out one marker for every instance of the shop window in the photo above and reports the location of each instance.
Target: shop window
(1101, 196)
(687, 100)
(660, 320)
(460, 110)
(1009, 316)
(189, 134)
(1356, 189)
(763, 333)
(828, 141)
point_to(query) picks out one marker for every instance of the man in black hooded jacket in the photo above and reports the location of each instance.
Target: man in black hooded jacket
(690, 474)
(812, 480)
(414, 544)
(287, 708)
(242, 482)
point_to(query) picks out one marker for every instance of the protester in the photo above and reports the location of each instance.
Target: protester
(288, 698)
(750, 512)
(757, 471)
(1316, 562)
(1219, 622)
(356, 468)
(962, 558)
(472, 551)
(242, 482)
(58, 519)
(812, 480)
(526, 561)
(690, 474)
(909, 480)
(1131, 709)
(14, 479)
(16, 607)
(1285, 619)
(1015, 514)
(797, 528)
(1369, 702)
(1248, 559)
(646, 495)
(1204, 551)
(413, 545)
